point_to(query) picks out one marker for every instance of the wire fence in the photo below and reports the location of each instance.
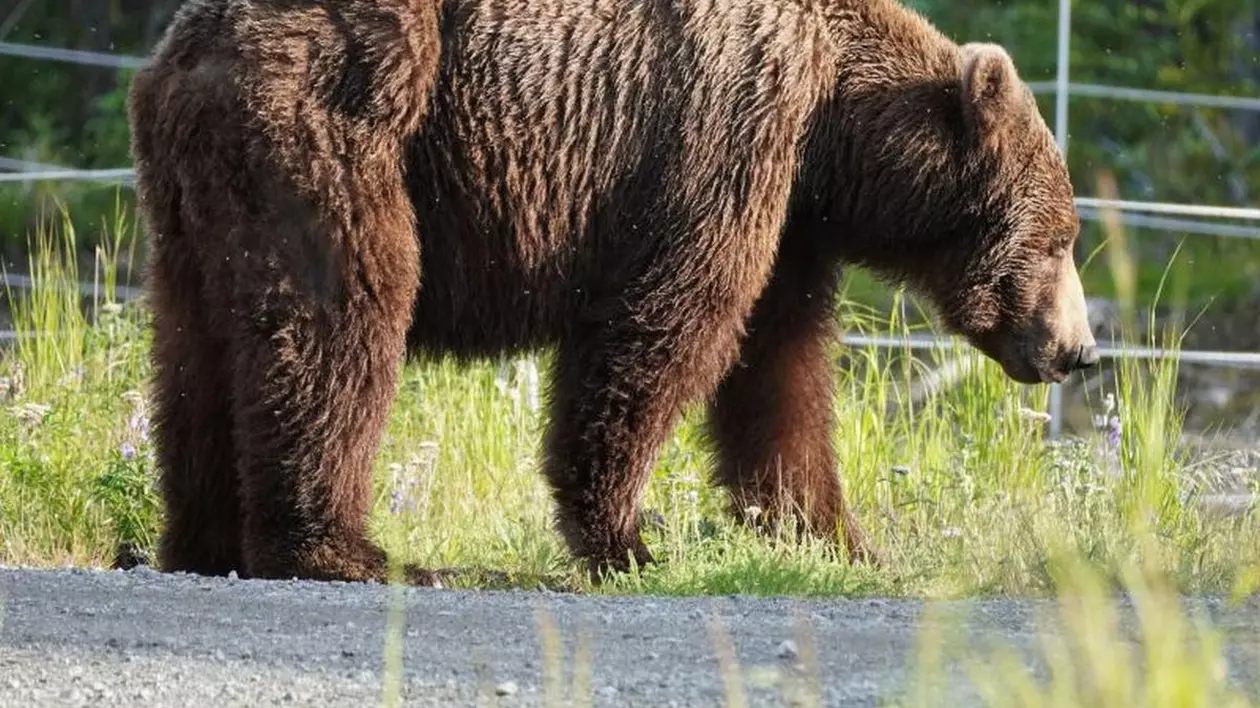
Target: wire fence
(72, 56)
(1107, 350)
(1130, 213)
(1183, 218)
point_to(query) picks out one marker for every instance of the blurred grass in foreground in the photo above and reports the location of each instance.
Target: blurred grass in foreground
(956, 481)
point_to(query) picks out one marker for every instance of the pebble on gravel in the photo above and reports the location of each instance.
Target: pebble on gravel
(787, 649)
(507, 688)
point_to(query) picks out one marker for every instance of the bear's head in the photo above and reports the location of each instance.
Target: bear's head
(966, 195)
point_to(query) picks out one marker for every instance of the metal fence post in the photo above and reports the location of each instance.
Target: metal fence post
(1061, 136)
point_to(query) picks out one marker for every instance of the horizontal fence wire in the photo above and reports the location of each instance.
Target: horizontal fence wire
(13, 163)
(1089, 207)
(1159, 223)
(1219, 212)
(73, 56)
(1245, 360)
(121, 175)
(122, 293)
(1127, 93)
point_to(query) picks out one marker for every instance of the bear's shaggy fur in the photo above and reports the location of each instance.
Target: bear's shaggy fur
(661, 190)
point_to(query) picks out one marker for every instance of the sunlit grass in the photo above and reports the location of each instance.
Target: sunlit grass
(956, 481)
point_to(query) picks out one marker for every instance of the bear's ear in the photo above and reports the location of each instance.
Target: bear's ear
(989, 86)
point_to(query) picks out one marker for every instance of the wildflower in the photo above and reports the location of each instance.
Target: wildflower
(136, 399)
(12, 386)
(1113, 431)
(427, 455)
(406, 478)
(401, 484)
(528, 368)
(1101, 419)
(30, 414)
(951, 532)
(138, 425)
(136, 436)
(73, 377)
(1030, 414)
(1109, 424)
(524, 373)
(501, 382)
(651, 517)
(396, 501)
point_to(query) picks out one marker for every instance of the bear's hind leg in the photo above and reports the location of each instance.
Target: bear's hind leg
(326, 269)
(282, 127)
(192, 425)
(319, 344)
(190, 391)
(772, 418)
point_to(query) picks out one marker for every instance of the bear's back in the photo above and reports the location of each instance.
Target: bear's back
(570, 141)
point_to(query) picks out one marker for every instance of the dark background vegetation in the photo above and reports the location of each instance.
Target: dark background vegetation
(74, 116)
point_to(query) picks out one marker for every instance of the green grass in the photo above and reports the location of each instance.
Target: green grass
(959, 486)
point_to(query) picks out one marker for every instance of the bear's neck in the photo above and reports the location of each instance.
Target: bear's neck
(878, 139)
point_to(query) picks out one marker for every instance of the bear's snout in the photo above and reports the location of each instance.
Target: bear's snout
(1051, 343)
(1074, 358)
(1086, 357)
(1069, 323)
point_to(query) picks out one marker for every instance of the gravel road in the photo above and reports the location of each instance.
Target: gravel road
(141, 638)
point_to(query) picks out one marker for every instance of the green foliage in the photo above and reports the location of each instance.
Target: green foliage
(956, 482)
(77, 469)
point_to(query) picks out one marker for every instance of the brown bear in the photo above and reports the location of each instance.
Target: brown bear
(660, 191)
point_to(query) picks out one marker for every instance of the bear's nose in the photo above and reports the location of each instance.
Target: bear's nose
(1086, 357)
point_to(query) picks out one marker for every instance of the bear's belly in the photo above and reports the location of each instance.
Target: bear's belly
(473, 304)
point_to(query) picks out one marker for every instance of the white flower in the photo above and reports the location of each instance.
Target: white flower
(1030, 414)
(31, 414)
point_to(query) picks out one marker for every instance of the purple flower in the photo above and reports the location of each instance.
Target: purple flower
(1109, 424)
(402, 495)
(1113, 431)
(128, 450)
(139, 426)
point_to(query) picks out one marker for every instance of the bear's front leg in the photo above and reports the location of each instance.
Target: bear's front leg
(617, 391)
(772, 417)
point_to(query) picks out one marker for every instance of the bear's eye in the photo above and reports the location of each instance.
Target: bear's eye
(1062, 242)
